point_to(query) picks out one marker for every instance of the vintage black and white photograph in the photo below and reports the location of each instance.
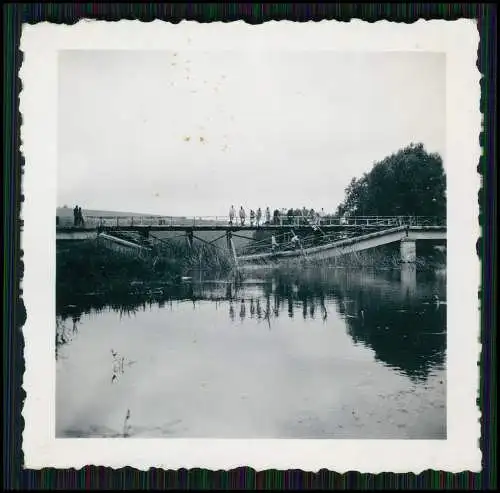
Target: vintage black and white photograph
(253, 243)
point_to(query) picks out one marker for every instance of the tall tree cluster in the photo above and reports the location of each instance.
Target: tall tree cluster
(409, 182)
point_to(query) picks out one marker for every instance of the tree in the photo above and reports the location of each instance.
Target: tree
(409, 182)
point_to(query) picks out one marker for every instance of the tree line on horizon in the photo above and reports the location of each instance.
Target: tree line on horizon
(410, 182)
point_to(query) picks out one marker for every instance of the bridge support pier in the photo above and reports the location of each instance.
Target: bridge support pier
(408, 249)
(230, 246)
(189, 236)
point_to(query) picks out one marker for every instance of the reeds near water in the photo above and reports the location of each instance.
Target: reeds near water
(202, 256)
(383, 258)
(91, 268)
(88, 268)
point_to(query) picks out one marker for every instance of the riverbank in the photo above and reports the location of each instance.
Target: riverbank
(90, 269)
(380, 258)
(389, 257)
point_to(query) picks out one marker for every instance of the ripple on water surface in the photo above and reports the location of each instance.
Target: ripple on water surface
(321, 354)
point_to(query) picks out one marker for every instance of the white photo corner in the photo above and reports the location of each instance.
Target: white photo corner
(251, 245)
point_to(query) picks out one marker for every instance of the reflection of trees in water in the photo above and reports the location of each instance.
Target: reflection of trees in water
(411, 337)
(391, 313)
(402, 324)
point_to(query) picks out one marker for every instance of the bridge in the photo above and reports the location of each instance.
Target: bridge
(285, 237)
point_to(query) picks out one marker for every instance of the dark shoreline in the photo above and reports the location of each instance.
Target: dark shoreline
(90, 274)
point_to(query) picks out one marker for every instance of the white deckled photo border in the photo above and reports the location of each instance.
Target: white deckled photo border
(459, 40)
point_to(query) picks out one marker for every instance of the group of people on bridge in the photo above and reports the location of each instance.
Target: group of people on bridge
(255, 217)
(78, 216)
(279, 217)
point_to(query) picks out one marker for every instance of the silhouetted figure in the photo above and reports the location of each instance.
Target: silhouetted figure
(75, 216)
(231, 312)
(252, 308)
(276, 216)
(252, 217)
(80, 217)
(268, 216)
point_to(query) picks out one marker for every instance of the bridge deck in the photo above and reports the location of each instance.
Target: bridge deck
(221, 223)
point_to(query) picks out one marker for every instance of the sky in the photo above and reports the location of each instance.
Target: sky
(192, 133)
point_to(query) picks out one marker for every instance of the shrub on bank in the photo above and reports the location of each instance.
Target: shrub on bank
(89, 267)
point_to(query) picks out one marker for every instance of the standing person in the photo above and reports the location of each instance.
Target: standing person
(321, 215)
(75, 216)
(80, 217)
(268, 215)
(318, 219)
(232, 215)
(252, 217)
(259, 216)
(242, 215)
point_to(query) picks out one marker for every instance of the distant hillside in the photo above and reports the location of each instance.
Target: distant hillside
(68, 211)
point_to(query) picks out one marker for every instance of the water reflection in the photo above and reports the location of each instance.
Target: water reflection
(408, 280)
(400, 315)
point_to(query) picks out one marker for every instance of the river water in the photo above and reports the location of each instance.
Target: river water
(331, 353)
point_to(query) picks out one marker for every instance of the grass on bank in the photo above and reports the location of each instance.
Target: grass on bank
(89, 267)
(389, 257)
(382, 258)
